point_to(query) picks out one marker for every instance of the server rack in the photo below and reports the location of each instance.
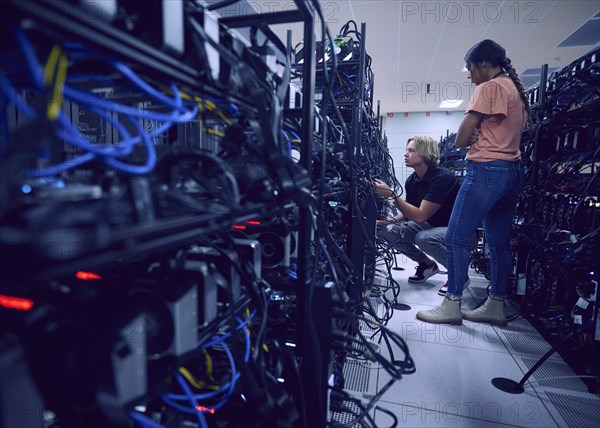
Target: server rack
(556, 220)
(154, 234)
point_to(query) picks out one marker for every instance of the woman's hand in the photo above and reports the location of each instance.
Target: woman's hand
(474, 136)
(382, 189)
(383, 222)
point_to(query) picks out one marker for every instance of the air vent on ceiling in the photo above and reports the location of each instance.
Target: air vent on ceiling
(531, 76)
(529, 81)
(536, 71)
(586, 35)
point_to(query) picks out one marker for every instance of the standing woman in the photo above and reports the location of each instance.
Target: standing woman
(492, 126)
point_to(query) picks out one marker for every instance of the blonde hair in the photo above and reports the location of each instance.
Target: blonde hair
(427, 148)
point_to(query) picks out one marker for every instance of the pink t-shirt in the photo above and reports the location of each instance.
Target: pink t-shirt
(503, 121)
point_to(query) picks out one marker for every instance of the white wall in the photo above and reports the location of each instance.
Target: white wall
(402, 126)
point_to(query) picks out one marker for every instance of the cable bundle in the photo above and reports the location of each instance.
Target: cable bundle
(53, 79)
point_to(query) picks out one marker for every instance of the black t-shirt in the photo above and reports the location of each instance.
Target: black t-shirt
(438, 185)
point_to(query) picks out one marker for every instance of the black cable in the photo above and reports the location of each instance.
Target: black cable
(222, 4)
(406, 366)
(239, 66)
(394, 286)
(330, 99)
(584, 194)
(310, 294)
(363, 226)
(345, 28)
(253, 288)
(390, 414)
(365, 408)
(337, 111)
(296, 370)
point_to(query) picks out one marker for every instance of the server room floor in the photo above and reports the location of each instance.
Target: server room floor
(455, 365)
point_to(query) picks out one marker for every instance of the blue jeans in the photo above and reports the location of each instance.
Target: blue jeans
(488, 194)
(414, 240)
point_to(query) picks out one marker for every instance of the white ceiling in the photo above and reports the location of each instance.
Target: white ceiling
(415, 43)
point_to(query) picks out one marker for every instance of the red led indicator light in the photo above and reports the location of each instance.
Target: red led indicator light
(87, 276)
(17, 303)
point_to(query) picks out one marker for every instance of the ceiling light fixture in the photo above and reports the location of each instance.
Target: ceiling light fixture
(450, 103)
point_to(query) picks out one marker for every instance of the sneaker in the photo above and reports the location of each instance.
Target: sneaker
(423, 272)
(442, 291)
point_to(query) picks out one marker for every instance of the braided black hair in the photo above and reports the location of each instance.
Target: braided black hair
(492, 52)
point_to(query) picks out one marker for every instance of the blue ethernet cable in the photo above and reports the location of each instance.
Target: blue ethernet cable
(169, 398)
(85, 98)
(188, 392)
(136, 169)
(11, 94)
(127, 72)
(108, 155)
(144, 421)
(229, 386)
(35, 69)
(247, 336)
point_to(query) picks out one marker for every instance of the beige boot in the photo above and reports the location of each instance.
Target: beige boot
(491, 311)
(447, 313)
